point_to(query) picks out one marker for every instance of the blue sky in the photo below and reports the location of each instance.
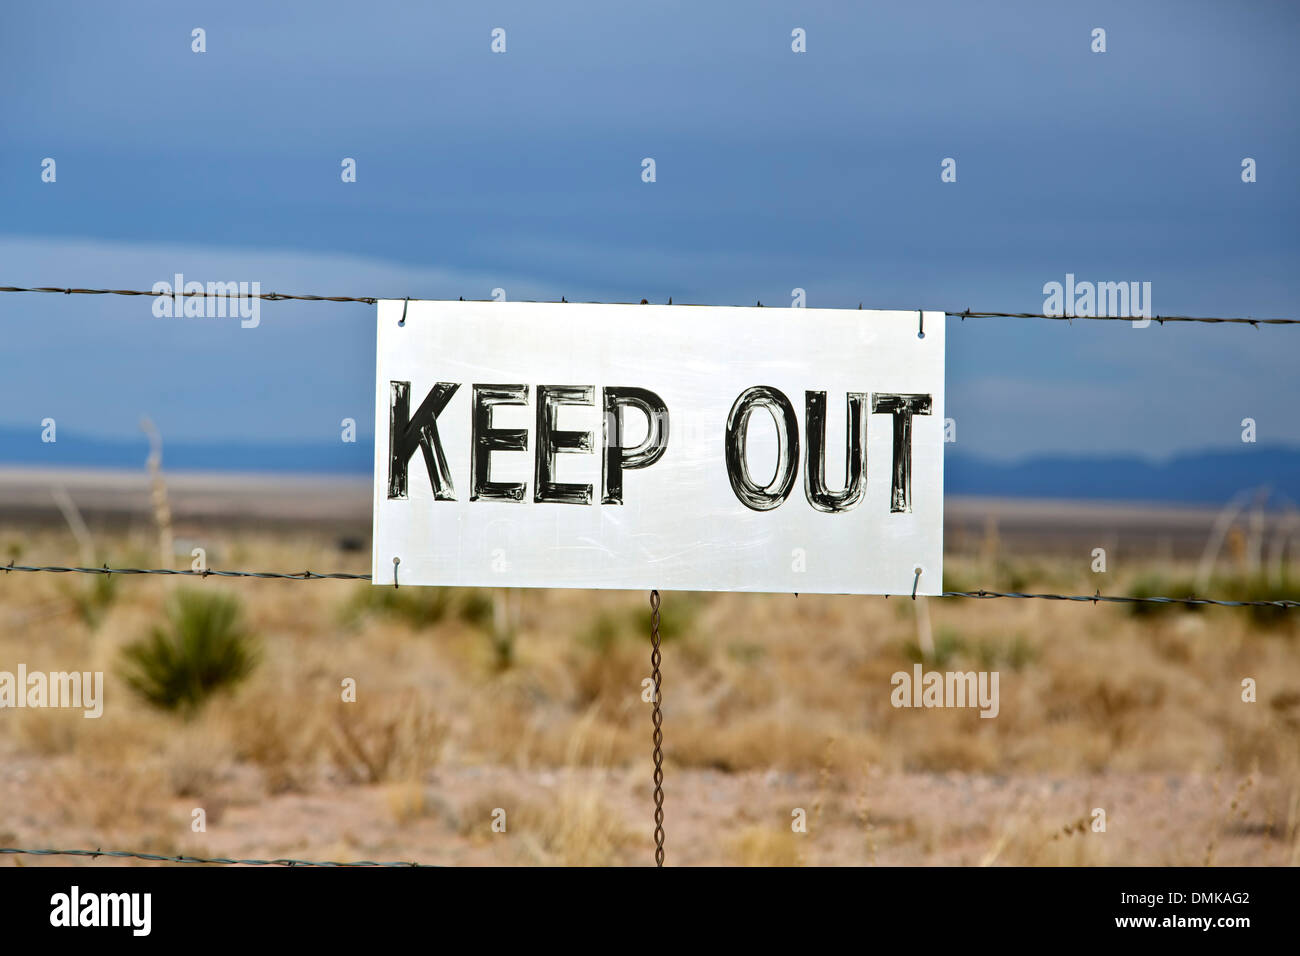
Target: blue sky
(775, 170)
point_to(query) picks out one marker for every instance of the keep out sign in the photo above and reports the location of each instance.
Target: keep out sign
(671, 447)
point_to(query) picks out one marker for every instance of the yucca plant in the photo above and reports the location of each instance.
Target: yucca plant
(203, 648)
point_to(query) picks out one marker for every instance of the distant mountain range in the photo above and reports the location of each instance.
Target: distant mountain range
(71, 450)
(1204, 477)
(1207, 477)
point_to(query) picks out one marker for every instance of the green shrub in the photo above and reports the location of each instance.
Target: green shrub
(474, 606)
(948, 644)
(953, 580)
(1014, 653)
(1258, 588)
(678, 613)
(1014, 576)
(1152, 585)
(603, 633)
(203, 648)
(93, 598)
(421, 607)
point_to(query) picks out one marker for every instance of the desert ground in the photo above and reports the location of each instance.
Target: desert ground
(511, 728)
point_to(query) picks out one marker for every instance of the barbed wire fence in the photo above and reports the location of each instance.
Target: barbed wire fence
(981, 594)
(372, 300)
(209, 861)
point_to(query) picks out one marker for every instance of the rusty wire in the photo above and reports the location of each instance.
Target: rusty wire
(657, 718)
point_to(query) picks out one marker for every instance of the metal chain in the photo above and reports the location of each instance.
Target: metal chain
(658, 718)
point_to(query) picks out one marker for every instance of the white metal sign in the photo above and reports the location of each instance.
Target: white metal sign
(672, 447)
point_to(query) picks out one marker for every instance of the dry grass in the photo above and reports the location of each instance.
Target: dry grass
(1105, 704)
(576, 829)
(764, 846)
(385, 739)
(409, 801)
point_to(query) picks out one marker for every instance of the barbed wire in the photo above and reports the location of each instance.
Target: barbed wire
(1162, 319)
(191, 573)
(1099, 598)
(269, 296)
(981, 594)
(157, 858)
(962, 314)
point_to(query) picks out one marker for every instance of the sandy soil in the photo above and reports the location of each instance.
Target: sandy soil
(893, 819)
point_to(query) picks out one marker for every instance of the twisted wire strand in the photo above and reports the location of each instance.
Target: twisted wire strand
(158, 858)
(981, 594)
(371, 300)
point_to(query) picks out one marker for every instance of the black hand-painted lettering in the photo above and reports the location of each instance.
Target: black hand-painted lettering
(550, 440)
(902, 407)
(485, 439)
(406, 433)
(855, 454)
(752, 495)
(619, 459)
